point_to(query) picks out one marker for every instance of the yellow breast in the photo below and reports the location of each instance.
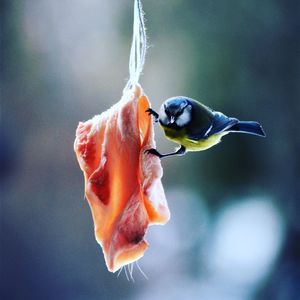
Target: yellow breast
(180, 137)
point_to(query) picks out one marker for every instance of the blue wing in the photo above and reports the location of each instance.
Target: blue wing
(219, 123)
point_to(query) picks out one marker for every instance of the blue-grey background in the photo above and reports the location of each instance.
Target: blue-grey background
(235, 227)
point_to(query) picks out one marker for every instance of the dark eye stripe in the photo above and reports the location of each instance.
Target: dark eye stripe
(166, 111)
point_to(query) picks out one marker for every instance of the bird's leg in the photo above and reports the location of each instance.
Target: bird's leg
(150, 112)
(179, 152)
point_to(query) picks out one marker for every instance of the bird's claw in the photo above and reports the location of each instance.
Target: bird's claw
(150, 112)
(154, 152)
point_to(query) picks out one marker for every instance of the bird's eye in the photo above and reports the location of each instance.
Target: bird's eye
(179, 112)
(167, 111)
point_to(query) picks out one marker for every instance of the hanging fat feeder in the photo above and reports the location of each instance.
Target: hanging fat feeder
(122, 181)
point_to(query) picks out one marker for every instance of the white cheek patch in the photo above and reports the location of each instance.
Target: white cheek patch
(185, 117)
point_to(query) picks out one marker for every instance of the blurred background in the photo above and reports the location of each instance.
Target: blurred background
(235, 228)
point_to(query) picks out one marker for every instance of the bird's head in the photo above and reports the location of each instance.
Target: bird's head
(175, 112)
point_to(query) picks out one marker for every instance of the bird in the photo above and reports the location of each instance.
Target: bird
(195, 126)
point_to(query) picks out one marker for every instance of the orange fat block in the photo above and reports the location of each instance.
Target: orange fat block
(122, 182)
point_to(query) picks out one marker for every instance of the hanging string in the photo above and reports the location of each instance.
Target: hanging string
(138, 46)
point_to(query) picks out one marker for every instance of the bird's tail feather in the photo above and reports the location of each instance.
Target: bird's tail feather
(250, 127)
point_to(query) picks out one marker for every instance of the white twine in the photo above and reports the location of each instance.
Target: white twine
(138, 46)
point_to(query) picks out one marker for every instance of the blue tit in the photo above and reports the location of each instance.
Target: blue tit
(195, 126)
